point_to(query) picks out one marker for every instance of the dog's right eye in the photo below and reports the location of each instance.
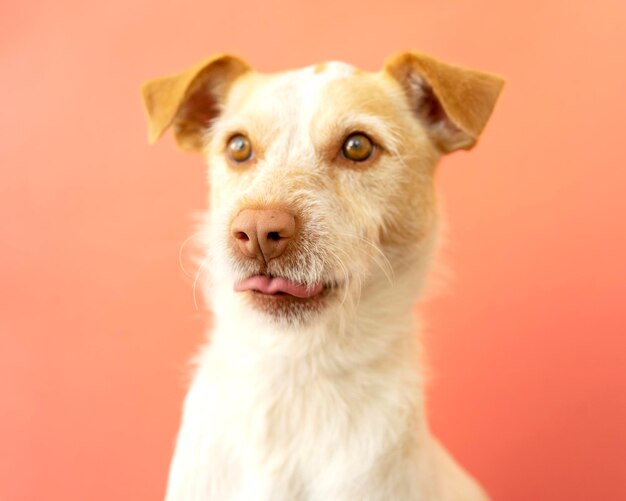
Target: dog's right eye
(239, 148)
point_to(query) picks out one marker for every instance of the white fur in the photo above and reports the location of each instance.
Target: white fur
(329, 406)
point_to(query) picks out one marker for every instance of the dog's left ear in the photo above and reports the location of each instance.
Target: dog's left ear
(453, 103)
(189, 100)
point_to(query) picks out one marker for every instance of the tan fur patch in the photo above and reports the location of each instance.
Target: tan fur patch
(319, 68)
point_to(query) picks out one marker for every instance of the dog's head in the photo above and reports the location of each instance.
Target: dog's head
(321, 178)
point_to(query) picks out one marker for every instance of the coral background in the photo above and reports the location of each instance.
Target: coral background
(527, 342)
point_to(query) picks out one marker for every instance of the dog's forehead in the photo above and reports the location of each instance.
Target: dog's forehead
(307, 94)
(301, 87)
(311, 79)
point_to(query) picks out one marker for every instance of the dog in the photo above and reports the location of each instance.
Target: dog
(321, 229)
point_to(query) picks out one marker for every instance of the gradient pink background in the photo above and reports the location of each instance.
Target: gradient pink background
(97, 320)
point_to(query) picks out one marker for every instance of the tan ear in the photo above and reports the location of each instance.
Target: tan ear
(189, 100)
(453, 103)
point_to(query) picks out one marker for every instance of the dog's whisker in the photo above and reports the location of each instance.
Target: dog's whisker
(348, 278)
(195, 280)
(385, 266)
(181, 249)
(344, 271)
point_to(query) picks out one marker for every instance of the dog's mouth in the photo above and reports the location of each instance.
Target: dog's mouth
(276, 286)
(285, 299)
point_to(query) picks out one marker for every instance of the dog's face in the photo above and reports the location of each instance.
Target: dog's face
(321, 178)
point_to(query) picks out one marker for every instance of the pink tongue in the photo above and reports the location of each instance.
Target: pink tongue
(273, 285)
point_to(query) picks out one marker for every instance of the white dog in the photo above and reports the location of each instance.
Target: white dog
(322, 225)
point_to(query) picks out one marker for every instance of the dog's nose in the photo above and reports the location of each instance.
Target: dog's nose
(263, 233)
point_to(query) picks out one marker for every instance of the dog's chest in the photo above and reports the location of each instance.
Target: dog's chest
(291, 437)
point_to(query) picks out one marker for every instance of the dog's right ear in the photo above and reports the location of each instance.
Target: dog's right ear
(189, 100)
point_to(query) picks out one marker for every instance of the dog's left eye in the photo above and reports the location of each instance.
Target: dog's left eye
(239, 148)
(358, 147)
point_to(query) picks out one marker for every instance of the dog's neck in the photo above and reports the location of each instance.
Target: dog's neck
(372, 331)
(359, 365)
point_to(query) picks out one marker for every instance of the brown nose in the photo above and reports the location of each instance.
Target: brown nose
(263, 233)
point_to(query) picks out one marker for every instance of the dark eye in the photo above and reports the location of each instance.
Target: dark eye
(358, 147)
(239, 148)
